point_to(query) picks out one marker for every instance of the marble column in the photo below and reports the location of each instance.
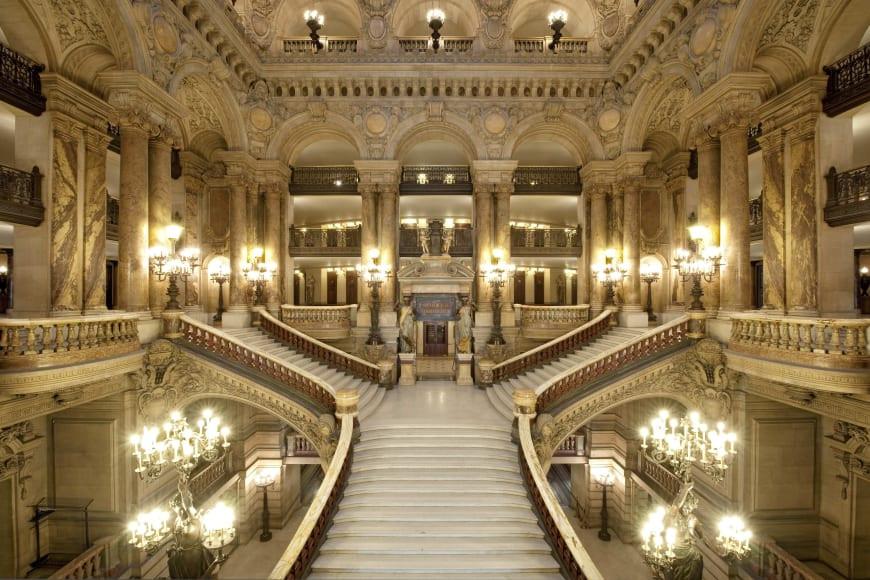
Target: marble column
(676, 187)
(369, 233)
(616, 218)
(801, 270)
(773, 212)
(631, 244)
(502, 237)
(252, 213)
(389, 240)
(598, 240)
(272, 241)
(709, 176)
(193, 191)
(159, 210)
(483, 220)
(238, 244)
(583, 264)
(288, 269)
(94, 235)
(66, 244)
(736, 276)
(133, 218)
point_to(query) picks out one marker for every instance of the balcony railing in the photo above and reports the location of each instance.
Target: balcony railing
(208, 479)
(321, 322)
(325, 241)
(545, 241)
(433, 179)
(448, 44)
(848, 196)
(549, 321)
(756, 219)
(335, 179)
(331, 44)
(21, 196)
(539, 45)
(462, 247)
(113, 213)
(19, 81)
(555, 179)
(848, 82)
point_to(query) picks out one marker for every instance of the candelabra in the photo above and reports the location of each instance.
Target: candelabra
(610, 273)
(314, 20)
(219, 273)
(436, 21)
(701, 262)
(374, 274)
(196, 533)
(167, 264)
(264, 481)
(557, 20)
(605, 480)
(258, 272)
(496, 273)
(668, 534)
(650, 274)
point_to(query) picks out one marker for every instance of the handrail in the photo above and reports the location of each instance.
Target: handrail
(88, 564)
(297, 558)
(770, 560)
(651, 342)
(232, 349)
(553, 349)
(318, 350)
(575, 560)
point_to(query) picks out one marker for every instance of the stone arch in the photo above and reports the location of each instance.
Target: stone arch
(408, 18)
(570, 131)
(581, 18)
(26, 33)
(840, 35)
(658, 107)
(213, 109)
(741, 45)
(418, 128)
(301, 130)
(344, 17)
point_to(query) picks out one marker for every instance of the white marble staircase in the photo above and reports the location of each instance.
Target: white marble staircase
(500, 395)
(370, 396)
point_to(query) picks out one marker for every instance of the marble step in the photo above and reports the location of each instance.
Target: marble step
(498, 404)
(436, 429)
(446, 546)
(414, 453)
(432, 476)
(423, 444)
(429, 486)
(371, 404)
(381, 574)
(405, 564)
(522, 514)
(438, 499)
(435, 529)
(423, 464)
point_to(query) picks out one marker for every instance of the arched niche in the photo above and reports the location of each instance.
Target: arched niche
(326, 151)
(342, 18)
(541, 150)
(529, 19)
(25, 35)
(438, 151)
(409, 18)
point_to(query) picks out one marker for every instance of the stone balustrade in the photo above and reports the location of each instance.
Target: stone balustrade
(668, 483)
(808, 341)
(321, 322)
(549, 321)
(539, 45)
(43, 342)
(299, 446)
(205, 481)
(331, 44)
(770, 561)
(89, 564)
(448, 44)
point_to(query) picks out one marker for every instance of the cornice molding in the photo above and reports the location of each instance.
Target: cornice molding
(740, 89)
(793, 105)
(65, 96)
(132, 90)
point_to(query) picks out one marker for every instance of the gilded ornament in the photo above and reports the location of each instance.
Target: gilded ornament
(164, 34)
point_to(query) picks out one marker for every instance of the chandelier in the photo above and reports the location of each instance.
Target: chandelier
(610, 273)
(557, 20)
(435, 17)
(258, 272)
(196, 533)
(374, 273)
(496, 273)
(167, 263)
(314, 21)
(701, 262)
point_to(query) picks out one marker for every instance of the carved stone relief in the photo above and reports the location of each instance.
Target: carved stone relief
(792, 24)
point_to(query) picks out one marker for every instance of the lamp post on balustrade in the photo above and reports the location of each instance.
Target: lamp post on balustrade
(496, 273)
(219, 273)
(649, 275)
(610, 273)
(604, 479)
(258, 272)
(701, 262)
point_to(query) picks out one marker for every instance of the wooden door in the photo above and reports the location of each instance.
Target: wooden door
(435, 339)
(539, 288)
(331, 288)
(297, 290)
(573, 279)
(520, 287)
(350, 287)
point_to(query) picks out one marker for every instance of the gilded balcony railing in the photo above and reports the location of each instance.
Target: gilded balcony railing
(35, 342)
(848, 196)
(331, 44)
(549, 321)
(20, 85)
(546, 241)
(321, 322)
(547, 179)
(539, 45)
(21, 196)
(325, 241)
(756, 219)
(337, 179)
(113, 214)
(848, 82)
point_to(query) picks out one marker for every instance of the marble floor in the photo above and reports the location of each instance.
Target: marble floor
(436, 402)
(256, 559)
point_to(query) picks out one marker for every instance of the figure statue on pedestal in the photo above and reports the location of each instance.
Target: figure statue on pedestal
(407, 327)
(464, 324)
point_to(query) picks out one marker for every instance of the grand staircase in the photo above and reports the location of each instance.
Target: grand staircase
(370, 396)
(500, 395)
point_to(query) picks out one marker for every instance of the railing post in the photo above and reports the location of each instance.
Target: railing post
(171, 324)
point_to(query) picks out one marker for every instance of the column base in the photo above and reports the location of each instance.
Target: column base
(96, 311)
(462, 366)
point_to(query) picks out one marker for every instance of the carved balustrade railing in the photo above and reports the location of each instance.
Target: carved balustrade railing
(92, 563)
(208, 479)
(321, 322)
(756, 219)
(449, 44)
(571, 446)
(547, 179)
(20, 85)
(545, 241)
(44, 342)
(331, 44)
(809, 341)
(230, 349)
(539, 45)
(769, 561)
(848, 196)
(297, 558)
(540, 321)
(848, 82)
(461, 247)
(324, 179)
(21, 196)
(666, 482)
(299, 446)
(655, 342)
(567, 547)
(556, 348)
(320, 351)
(113, 214)
(343, 241)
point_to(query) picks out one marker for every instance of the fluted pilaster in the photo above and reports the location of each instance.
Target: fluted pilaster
(598, 198)
(272, 239)
(709, 204)
(631, 243)
(238, 243)
(133, 217)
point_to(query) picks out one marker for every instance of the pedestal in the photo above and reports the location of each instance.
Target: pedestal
(484, 372)
(463, 364)
(408, 370)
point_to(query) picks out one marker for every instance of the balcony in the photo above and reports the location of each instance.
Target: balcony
(756, 219)
(21, 196)
(325, 241)
(848, 82)
(435, 180)
(538, 45)
(526, 242)
(324, 180)
(113, 212)
(557, 179)
(848, 196)
(19, 81)
(449, 44)
(410, 243)
(331, 45)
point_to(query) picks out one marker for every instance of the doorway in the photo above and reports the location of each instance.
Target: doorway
(539, 288)
(331, 288)
(435, 339)
(520, 287)
(297, 289)
(350, 287)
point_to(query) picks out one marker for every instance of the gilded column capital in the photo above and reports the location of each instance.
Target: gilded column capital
(804, 128)
(66, 128)
(96, 141)
(164, 135)
(378, 171)
(773, 139)
(597, 190)
(489, 172)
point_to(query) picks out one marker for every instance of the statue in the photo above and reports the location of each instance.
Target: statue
(464, 324)
(309, 290)
(423, 234)
(407, 327)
